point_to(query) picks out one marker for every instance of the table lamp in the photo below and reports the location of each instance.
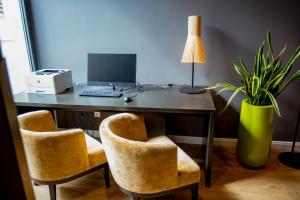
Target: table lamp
(193, 52)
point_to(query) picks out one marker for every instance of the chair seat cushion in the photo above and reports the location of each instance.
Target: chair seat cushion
(188, 170)
(96, 152)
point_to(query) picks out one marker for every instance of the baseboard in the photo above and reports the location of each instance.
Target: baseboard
(187, 139)
(284, 145)
(231, 142)
(226, 142)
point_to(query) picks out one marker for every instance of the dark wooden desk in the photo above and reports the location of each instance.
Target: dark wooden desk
(153, 99)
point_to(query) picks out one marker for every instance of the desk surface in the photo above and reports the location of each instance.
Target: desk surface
(153, 99)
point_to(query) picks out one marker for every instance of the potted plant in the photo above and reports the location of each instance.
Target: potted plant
(261, 86)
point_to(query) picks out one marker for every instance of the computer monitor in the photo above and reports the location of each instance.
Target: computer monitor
(116, 69)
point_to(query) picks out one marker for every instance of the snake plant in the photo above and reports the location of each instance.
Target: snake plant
(267, 80)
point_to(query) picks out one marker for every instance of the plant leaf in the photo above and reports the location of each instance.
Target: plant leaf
(259, 54)
(225, 89)
(274, 102)
(289, 81)
(244, 67)
(248, 87)
(255, 85)
(222, 85)
(238, 70)
(232, 96)
(256, 63)
(282, 51)
(292, 59)
(275, 81)
(270, 45)
(264, 62)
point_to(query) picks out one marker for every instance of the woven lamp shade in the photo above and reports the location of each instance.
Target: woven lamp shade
(194, 50)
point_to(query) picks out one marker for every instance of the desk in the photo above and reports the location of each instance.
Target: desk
(155, 100)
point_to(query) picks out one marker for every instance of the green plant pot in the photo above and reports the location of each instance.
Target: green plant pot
(255, 134)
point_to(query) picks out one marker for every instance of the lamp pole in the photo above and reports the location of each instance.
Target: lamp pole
(292, 159)
(296, 131)
(193, 74)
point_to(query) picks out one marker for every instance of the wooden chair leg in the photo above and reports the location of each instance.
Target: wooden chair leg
(194, 191)
(52, 190)
(106, 176)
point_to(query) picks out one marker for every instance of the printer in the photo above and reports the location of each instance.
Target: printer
(49, 81)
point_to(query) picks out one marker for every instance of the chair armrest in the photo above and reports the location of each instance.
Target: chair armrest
(55, 155)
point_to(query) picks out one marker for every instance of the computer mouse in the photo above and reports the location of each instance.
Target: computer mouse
(127, 99)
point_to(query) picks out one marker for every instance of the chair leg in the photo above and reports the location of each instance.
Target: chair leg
(106, 176)
(52, 190)
(194, 191)
(35, 183)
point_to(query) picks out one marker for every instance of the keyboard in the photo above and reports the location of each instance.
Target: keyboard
(100, 93)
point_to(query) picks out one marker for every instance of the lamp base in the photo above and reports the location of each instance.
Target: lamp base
(192, 90)
(290, 159)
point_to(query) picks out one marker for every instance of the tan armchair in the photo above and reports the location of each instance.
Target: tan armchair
(56, 157)
(146, 167)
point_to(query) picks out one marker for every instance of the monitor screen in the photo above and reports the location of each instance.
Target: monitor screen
(112, 68)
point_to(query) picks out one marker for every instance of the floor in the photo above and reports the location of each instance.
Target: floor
(230, 181)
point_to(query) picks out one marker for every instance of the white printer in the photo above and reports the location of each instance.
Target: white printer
(49, 81)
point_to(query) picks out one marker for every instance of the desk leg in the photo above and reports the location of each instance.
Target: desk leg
(55, 117)
(209, 150)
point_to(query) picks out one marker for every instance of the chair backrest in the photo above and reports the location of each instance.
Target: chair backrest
(52, 155)
(136, 165)
(129, 126)
(39, 121)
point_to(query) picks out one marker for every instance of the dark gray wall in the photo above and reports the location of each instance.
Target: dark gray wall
(67, 30)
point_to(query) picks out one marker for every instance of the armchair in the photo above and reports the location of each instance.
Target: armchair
(56, 157)
(146, 167)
